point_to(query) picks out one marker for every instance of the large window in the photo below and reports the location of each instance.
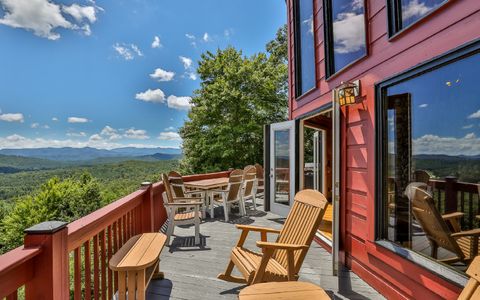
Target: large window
(403, 13)
(345, 38)
(429, 159)
(304, 47)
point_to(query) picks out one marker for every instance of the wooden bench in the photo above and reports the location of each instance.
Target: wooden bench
(283, 290)
(136, 263)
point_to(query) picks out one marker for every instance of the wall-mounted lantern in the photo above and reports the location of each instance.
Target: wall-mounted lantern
(347, 93)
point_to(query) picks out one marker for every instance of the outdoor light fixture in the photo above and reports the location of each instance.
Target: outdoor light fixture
(347, 93)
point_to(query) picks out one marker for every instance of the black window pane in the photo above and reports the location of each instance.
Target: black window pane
(347, 32)
(432, 150)
(413, 10)
(305, 47)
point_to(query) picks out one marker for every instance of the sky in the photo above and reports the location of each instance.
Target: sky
(108, 74)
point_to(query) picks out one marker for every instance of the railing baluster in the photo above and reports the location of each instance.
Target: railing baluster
(96, 269)
(115, 249)
(470, 210)
(13, 296)
(88, 274)
(110, 253)
(103, 264)
(124, 228)
(77, 279)
(462, 208)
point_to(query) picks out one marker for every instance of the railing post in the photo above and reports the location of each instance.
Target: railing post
(147, 207)
(51, 280)
(450, 194)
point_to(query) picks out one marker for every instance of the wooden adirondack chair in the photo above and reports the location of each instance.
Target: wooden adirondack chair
(179, 191)
(463, 244)
(260, 179)
(249, 190)
(232, 194)
(472, 290)
(181, 211)
(281, 260)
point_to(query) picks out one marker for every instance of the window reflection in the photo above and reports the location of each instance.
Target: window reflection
(305, 52)
(282, 166)
(433, 162)
(410, 11)
(346, 32)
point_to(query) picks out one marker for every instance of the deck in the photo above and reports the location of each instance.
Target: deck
(190, 271)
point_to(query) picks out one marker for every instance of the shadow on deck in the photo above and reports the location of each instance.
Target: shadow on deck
(191, 271)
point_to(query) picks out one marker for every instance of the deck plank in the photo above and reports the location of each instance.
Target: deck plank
(191, 271)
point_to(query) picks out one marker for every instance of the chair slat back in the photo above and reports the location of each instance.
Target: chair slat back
(167, 187)
(249, 178)
(472, 290)
(234, 184)
(259, 169)
(432, 223)
(301, 224)
(176, 181)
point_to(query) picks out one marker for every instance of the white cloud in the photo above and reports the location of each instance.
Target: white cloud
(76, 134)
(192, 76)
(54, 119)
(171, 128)
(127, 52)
(111, 133)
(95, 138)
(434, 144)
(169, 136)
(46, 127)
(190, 36)
(424, 105)
(180, 103)
(475, 115)
(349, 31)
(186, 61)
(156, 42)
(206, 37)
(43, 17)
(137, 134)
(77, 120)
(162, 75)
(18, 117)
(155, 96)
(228, 33)
(414, 9)
(467, 126)
(34, 125)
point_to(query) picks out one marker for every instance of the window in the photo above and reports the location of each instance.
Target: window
(345, 38)
(428, 142)
(403, 13)
(304, 47)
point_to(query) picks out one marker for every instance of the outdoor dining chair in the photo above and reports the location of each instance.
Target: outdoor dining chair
(249, 189)
(231, 195)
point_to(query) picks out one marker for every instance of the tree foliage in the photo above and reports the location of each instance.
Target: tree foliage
(237, 97)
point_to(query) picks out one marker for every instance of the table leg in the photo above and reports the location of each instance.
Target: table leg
(210, 196)
(205, 205)
(157, 274)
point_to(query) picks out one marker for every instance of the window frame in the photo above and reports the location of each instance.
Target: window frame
(328, 40)
(297, 55)
(394, 17)
(459, 53)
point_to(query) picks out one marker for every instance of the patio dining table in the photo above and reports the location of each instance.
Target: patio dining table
(207, 186)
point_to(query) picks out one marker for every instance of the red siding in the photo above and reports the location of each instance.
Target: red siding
(453, 25)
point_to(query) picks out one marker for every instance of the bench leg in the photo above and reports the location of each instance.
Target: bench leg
(131, 277)
(141, 290)
(122, 289)
(157, 274)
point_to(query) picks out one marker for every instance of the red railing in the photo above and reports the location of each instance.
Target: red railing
(60, 262)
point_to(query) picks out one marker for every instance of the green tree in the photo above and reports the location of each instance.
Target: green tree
(237, 97)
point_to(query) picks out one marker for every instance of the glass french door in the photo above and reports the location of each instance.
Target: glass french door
(282, 166)
(319, 159)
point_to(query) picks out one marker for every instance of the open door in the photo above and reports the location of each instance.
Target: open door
(283, 141)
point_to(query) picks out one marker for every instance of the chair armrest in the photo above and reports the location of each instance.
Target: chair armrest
(280, 246)
(219, 191)
(257, 229)
(453, 215)
(184, 204)
(473, 232)
(193, 192)
(187, 199)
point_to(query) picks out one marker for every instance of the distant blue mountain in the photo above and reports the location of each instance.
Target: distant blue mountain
(88, 153)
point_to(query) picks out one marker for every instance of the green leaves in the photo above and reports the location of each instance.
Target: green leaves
(238, 96)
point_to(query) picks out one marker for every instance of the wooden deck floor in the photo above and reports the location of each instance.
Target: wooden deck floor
(190, 271)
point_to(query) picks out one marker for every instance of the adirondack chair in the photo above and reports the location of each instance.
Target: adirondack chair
(472, 290)
(181, 211)
(463, 244)
(260, 180)
(281, 260)
(249, 190)
(179, 191)
(232, 194)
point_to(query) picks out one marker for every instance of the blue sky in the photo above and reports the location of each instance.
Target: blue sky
(114, 73)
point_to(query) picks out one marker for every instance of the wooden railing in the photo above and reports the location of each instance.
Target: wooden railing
(451, 195)
(60, 261)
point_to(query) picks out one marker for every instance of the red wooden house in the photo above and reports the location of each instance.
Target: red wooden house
(411, 67)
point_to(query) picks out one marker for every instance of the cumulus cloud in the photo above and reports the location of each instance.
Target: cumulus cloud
(192, 76)
(76, 134)
(424, 105)
(349, 31)
(54, 119)
(95, 138)
(475, 115)
(169, 136)
(415, 8)
(171, 128)
(434, 144)
(77, 120)
(206, 37)
(467, 126)
(110, 133)
(156, 42)
(34, 125)
(155, 96)
(18, 117)
(137, 134)
(186, 61)
(162, 75)
(127, 52)
(43, 17)
(180, 103)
